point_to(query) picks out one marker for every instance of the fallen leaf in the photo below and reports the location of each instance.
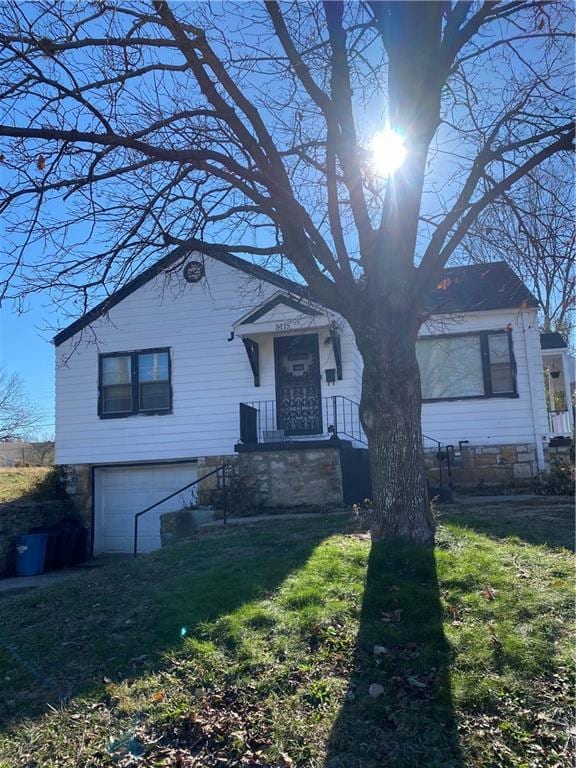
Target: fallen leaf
(158, 696)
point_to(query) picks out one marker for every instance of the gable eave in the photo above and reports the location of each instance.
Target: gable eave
(181, 252)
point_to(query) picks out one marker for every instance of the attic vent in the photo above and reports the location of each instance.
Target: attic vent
(193, 271)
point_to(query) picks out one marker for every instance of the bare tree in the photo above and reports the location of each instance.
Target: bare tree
(18, 418)
(532, 227)
(248, 126)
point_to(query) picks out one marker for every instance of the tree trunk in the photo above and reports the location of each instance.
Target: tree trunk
(390, 411)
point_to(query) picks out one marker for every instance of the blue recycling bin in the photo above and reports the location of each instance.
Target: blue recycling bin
(30, 554)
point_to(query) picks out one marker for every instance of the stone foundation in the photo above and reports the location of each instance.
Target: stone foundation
(488, 465)
(209, 489)
(559, 451)
(287, 475)
(77, 480)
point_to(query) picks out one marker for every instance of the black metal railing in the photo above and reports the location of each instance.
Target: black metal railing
(259, 424)
(223, 468)
(444, 458)
(341, 418)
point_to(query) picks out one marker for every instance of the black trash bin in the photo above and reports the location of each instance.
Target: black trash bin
(67, 543)
(72, 543)
(52, 532)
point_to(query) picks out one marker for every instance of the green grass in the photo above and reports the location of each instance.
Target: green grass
(21, 483)
(259, 647)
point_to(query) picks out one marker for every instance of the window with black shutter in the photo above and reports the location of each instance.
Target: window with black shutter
(467, 365)
(135, 382)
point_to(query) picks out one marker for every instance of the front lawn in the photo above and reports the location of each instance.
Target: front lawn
(295, 644)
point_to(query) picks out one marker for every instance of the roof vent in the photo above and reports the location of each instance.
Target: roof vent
(193, 271)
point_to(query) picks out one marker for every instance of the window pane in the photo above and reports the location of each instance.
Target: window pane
(154, 396)
(153, 366)
(450, 367)
(117, 399)
(500, 364)
(116, 370)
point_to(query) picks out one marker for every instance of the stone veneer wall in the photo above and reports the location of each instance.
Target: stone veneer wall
(489, 464)
(285, 475)
(558, 452)
(77, 480)
(208, 488)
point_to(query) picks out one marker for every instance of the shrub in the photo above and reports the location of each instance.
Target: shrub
(559, 481)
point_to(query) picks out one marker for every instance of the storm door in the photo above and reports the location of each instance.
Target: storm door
(298, 394)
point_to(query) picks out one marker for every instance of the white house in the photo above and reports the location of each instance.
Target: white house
(208, 359)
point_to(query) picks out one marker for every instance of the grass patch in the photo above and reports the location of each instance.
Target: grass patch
(297, 644)
(22, 483)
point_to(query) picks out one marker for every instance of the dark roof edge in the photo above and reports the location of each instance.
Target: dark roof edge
(552, 340)
(219, 254)
(155, 269)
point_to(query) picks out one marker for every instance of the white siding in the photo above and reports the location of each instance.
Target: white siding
(210, 375)
(494, 420)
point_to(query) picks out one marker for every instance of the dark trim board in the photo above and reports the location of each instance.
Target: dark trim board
(170, 260)
(275, 302)
(145, 463)
(291, 445)
(472, 288)
(253, 352)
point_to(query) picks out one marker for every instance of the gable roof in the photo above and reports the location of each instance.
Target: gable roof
(164, 263)
(463, 289)
(552, 340)
(279, 299)
(479, 287)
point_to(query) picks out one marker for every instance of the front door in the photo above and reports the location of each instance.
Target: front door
(298, 394)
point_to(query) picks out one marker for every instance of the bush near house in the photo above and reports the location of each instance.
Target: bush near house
(296, 644)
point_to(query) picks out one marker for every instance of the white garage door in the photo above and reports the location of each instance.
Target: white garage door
(121, 492)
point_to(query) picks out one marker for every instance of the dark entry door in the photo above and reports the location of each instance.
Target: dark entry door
(298, 394)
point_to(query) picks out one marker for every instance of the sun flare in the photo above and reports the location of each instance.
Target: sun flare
(388, 152)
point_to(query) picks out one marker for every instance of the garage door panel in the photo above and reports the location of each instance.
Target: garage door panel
(121, 492)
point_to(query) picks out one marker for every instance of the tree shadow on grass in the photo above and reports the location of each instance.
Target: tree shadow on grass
(402, 658)
(118, 622)
(548, 520)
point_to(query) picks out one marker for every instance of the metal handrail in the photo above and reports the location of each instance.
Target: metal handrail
(339, 409)
(222, 468)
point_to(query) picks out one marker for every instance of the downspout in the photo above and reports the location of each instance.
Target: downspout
(566, 378)
(538, 436)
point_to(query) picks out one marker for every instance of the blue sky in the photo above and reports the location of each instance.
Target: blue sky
(26, 348)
